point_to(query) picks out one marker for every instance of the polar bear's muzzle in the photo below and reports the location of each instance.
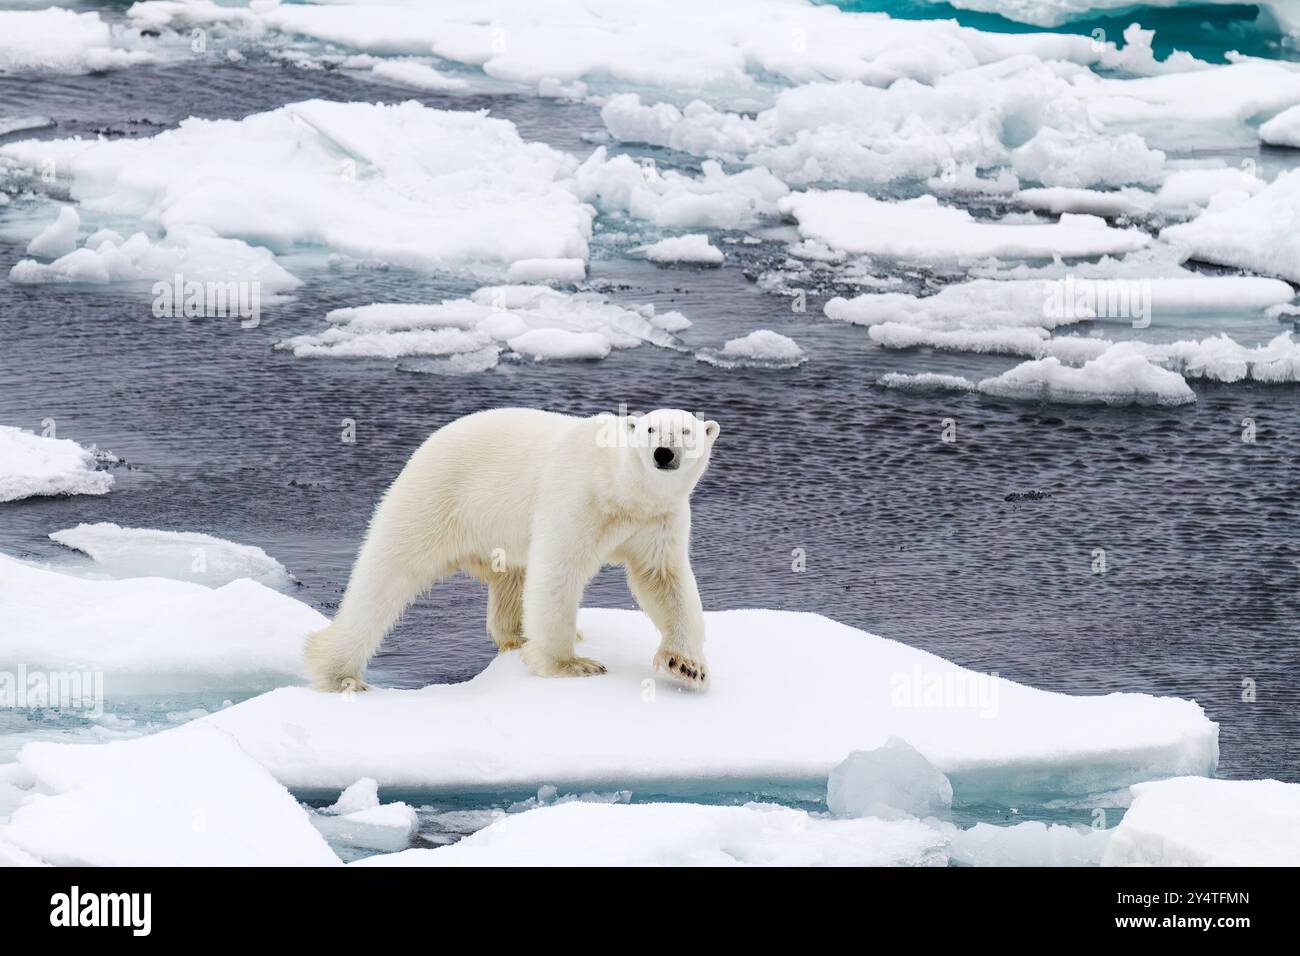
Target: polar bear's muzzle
(666, 459)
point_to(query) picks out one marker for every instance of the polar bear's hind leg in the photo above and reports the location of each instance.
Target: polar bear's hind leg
(505, 619)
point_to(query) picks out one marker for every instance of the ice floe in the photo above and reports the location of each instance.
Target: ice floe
(63, 41)
(406, 184)
(890, 782)
(925, 382)
(533, 322)
(760, 721)
(1032, 843)
(1055, 13)
(683, 834)
(183, 797)
(1283, 129)
(1193, 821)
(923, 229)
(694, 249)
(1121, 375)
(1261, 233)
(152, 631)
(180, 555)
(59, 237)
(32, 465)
(761, 348)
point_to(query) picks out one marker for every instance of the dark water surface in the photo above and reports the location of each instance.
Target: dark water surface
(905, 535)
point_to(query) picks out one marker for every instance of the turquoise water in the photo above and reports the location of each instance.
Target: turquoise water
(1206, 31)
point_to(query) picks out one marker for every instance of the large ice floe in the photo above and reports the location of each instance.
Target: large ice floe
(406, 184)
(151, 631)
(1192, 821)
(32, 465)
(760, 722)
(181, 555)
(1054, 13)
(528, 322)
(62, 41)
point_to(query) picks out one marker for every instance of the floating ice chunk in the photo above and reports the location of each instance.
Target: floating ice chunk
(671, 200)
(1192, 821)
(1283, 129)
(1054, 13)
(193, 254)
(547, 270)
(671, 322)
(1122, 375)
(406, 184)
(21, 124)
(694, 249)
(362, 795)
(61, 41)
(33, 465)
(762, 348)
(419, 76)
(242, 634)
(925, 382)
(759, 721)
(922, 229)
(532, 322)
(1093, 202)
(1189, 191)
(1222, 359)
(890, 782)
(184, 797)
(179, 555)
(59, 237)
(1055, 158)
(683, 834)
(1261, 234)
(1031, 843)
(994, 341)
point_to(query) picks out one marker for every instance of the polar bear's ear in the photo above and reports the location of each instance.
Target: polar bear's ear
(711, 428)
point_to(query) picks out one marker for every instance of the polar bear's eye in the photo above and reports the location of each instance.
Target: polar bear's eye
(651, 429)
(686, 431)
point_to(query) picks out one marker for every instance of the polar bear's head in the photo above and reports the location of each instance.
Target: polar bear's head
(671, 447)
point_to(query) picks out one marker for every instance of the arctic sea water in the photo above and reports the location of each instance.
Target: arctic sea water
(979, 550)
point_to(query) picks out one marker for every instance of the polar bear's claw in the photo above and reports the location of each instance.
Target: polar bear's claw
(684, 669)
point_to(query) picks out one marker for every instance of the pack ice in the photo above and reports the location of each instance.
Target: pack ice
(763, 721)
(32, 464)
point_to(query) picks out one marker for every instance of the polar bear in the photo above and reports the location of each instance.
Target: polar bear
(534, 503)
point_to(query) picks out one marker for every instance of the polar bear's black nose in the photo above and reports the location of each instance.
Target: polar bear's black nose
(665, 458)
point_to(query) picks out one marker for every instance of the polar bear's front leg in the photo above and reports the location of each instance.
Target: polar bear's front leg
(505, 621)
(556, 575)
(660, 577)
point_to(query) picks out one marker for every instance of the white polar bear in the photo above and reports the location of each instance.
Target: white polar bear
(533, 503)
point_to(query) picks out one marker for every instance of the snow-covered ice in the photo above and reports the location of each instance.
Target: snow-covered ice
(62, 41)
(152, 631)
(693, 249)
(59, 237)
(1032, 843)
(1121, 375)
(32, 464)
(404, 184)
(761, 348)
(891, 781)
(1192, 821)
(528, 321)
(683, 834)
(923, 229)
(184, 797)
(180, 555)
(760, 721)
(1054, 13)
(1283, 129)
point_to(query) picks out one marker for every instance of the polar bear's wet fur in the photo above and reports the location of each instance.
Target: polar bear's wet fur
(534, 503)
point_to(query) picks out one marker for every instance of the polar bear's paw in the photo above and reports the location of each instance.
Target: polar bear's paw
(342, 685)
(690, 671)
(544, 666)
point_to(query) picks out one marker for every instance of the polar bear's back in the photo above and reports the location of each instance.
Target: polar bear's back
(475, 480)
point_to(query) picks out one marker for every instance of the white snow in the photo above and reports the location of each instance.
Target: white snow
(891, 781)
(1054, 13)
(1283, 129)
(152, 630)
(1122, 375)
(1193, 821)
(1261, 234)
(1031, 843)
(418, 75)
(194, 254)
(922, 229)
(532, 322)
(184, 797)
(403, 184)
(925, 382)
(683, 834)
(59, 237)
(546, 270)
(179, 555)
(61, 41)
(761, 348)
(694, 249)
(32, 465)
(358, 819)
(760, 720)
